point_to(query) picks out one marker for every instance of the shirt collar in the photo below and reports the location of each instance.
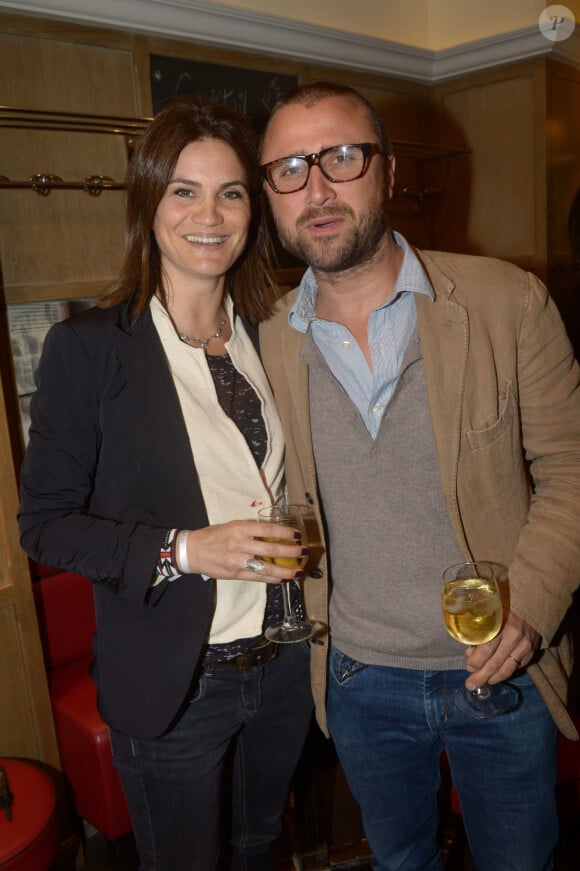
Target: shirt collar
(412, 278)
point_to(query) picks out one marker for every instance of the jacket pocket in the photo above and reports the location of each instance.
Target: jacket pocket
(493, 467)
(490, 433)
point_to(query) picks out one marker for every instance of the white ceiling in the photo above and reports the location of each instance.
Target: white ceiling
(424, 40)
(429, 24)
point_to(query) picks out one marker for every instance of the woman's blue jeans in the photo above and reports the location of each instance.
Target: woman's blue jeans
(390, 725)
(217, 783)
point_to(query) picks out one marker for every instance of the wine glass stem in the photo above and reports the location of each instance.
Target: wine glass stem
(289, 617)
(483, 692)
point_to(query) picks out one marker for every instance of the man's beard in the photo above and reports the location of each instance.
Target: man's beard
(328, 255)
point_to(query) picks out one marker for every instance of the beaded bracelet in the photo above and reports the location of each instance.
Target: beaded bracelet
(166, 567)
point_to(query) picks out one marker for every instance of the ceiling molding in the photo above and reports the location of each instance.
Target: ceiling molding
(502, 49)
(215, 24)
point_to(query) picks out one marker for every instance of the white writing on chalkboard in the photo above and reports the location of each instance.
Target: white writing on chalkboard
(251, 92)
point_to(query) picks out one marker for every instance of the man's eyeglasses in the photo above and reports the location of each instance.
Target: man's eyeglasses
(338, 164)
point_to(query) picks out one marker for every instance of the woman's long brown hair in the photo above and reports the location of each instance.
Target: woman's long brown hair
(250, 282)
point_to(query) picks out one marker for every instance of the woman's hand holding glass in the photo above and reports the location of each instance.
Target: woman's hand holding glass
(224, 550)
(282, 517)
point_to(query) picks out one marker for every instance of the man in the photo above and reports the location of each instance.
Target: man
(432, 413)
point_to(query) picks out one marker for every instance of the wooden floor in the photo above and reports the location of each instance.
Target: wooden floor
(100, 857)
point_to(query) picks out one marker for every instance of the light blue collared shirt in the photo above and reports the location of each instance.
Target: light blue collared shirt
(390, 328)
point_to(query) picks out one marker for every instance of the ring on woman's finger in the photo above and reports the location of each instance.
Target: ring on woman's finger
(254, 565)
(518, 662)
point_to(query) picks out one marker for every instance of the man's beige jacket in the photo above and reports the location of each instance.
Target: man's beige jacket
(504, 400)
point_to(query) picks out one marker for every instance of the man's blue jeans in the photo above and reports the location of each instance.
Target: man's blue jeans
(220, 777)
(390, 725)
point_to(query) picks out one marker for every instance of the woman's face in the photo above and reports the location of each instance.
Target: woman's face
(202, 221)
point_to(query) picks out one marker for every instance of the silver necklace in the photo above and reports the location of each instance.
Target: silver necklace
(203, 343)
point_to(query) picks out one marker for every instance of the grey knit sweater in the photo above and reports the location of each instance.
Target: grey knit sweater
(388, 531)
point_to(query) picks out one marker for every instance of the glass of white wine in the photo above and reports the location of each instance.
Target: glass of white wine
(473, 613)
(293, 627)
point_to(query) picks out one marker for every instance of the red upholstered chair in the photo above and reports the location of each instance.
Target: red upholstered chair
(29, 841)
(64, 604)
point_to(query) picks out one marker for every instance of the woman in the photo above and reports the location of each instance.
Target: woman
(154, 441)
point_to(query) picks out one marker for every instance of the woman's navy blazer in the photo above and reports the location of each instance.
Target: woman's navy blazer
(108, 470)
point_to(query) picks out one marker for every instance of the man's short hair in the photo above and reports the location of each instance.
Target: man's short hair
(310, 94)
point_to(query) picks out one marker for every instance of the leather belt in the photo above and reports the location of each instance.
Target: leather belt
(264, 652)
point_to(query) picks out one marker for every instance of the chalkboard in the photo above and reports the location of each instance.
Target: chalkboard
(251, 92)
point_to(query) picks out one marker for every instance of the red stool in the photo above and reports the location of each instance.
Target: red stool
(28, 842)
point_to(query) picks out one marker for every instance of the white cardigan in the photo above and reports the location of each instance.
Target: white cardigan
(233, 486)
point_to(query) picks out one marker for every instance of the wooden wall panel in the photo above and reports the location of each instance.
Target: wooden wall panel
(563, 140)
(16, 719)
(67, 237)
(65, 76)
(495, 203)
(25, 716)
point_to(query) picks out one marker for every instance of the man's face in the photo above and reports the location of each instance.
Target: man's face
(332, 227)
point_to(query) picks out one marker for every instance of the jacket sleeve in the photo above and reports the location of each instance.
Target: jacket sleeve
(58, 524)
(548, 550)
